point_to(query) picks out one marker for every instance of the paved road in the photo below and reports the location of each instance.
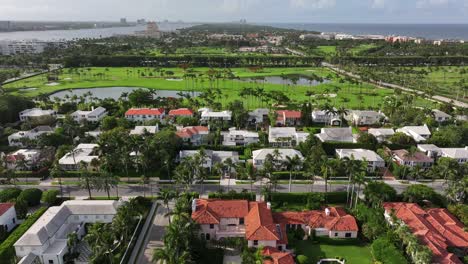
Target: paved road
(394, 86)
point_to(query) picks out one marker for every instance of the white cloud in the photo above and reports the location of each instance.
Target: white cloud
(378, 4)
(312, 4)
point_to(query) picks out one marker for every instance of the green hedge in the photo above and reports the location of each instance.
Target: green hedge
(233, 196)
(31, 196)
(284, 175)
(7, 251)
(9, 194)
(295, 198)
(385, 251)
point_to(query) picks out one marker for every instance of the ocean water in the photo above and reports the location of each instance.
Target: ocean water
(427, 31)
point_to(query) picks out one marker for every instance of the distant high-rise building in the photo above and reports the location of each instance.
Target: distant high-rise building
(5, 25)
(123, 20)
(141, 21)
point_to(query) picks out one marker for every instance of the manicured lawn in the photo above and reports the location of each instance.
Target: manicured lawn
(362, 47)
(326, 50)
(354, 251)
(348, 95)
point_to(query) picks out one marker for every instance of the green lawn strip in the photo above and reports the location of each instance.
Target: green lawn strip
(353, 250)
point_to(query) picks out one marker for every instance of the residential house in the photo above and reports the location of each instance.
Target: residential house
(8, 218)
(37, 115)
(185, 112)
(374, 161)
(436, 228)
(381, 134)
(259, 156)
(440, 116)
(145, 114)
(31, 158)
(288, 118)
(196, 135)
(336, 134)
(430, 150)
(365, 118)
(324, 117)
(82, 153)
(239, 137)
(275, 256)
(285, 136)
(458, 154)
(209, 115)
(259, 116)
(418, 133)
(402, 157)
(95, 115)
(47, 238)
(212, 157)
(141, 130)
(254, 221)
(15, 139)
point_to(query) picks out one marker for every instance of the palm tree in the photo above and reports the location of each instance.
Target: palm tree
(166, 255)
(100, 238)
(166, 195)
(292, 164)
(72, 242)
(106, 182)
(86, 178)
(359, 179)
(342, 112)
(229, 164)
(250, 172)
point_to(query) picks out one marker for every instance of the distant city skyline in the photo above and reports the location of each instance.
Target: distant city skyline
(260, 11)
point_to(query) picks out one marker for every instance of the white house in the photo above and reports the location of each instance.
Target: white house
(285, 136)
(365, 118)
(47, 238)
(458, 154)
(209, 115)
(374, 161)
(336, 134)
(37, 114)
(8, 218)
(33, 134)
(140, 130)
(240, 137)
(440, 116)
(322, 117)
(381, 134)
(430, 150)
(145, 114)
(259, 156)
(258, 115)
(212, 157)
(418, 133)
(82, 153)
(95, 115)
(30, 156)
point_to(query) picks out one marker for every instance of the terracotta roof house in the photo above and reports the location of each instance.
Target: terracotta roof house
(288, 118)
(277, 257)
(195, 135)
(180, 112)
(145, 114)
(436, 228)
(255, 222)
(8, 218)
(403, 158)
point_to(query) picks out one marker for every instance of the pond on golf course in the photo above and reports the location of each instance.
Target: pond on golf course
(115, 92)
(300, 80)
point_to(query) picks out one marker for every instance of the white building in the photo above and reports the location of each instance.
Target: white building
(285, 136)
(381, 134)
(33, 134)
(37, 114)
(47, 238)
(258, 115)
(418, 133)
(208, 115)
(322, 117)
(240, 137)
(22, 47)
(458, 154)
(259, 156)
(8, 218)
(374, 161)
(30, 156)
(145, 114)
(212, 157)
(430, 150)
(365, 118)
(94, 115)
(140, 130)
(440, 116)
(82, 153)
(336, 134)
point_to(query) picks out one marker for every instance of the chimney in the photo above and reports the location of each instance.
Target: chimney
(327, 212)
(194, 205)
(269, 205)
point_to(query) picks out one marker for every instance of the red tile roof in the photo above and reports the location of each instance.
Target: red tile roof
(181, 112)
(211, 211)
(259, 224)
(418, 156)
(188, 132)
(145, 111)
(436, 228)
(277, 257)
(4, 207)
(283, 114)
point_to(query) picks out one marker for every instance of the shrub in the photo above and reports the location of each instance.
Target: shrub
(233, 195)
(301, 259)
(31, 196)
(7, 251)
(460, 211)
(9, 194)
(418, 193)
(305, 198)
(385, 251)
(50, 197)
(21, 207)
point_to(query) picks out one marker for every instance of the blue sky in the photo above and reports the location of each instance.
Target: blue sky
(312, 11)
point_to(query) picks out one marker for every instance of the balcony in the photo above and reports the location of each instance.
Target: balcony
(230, 231)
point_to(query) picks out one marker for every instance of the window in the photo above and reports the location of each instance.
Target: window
(241, 221)
(255, 242)
(280, 248)
(211, 226)
(208, 237)
(348, 235)
(51, 261)
(336, 234)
